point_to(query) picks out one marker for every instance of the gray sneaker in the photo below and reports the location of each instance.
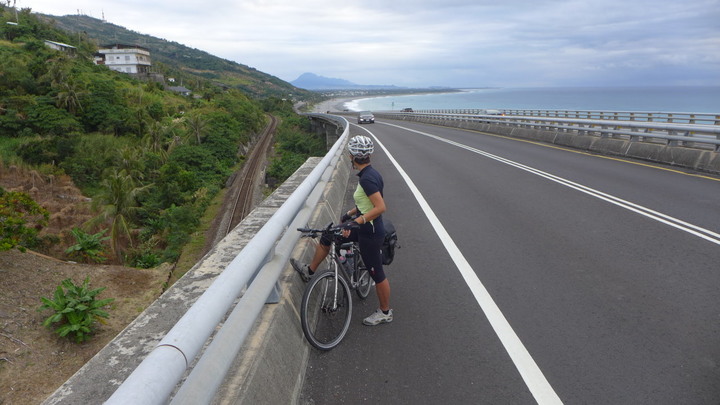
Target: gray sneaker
(302, 269)
(378, 317)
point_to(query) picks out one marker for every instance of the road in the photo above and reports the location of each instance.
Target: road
(531, 274)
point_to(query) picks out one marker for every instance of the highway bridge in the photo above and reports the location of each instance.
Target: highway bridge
(530, 272)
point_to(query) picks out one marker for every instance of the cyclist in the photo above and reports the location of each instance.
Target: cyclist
(366, 228)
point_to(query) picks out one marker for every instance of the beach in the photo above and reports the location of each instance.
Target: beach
(332, 105)
(338, 104)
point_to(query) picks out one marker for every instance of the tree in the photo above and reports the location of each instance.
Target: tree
(196, 126)
(69, 96)
(130, 160)
(117, 204)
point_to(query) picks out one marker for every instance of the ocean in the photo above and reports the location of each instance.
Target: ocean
(647, 99)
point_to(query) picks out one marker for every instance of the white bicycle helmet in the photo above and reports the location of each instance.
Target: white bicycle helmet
(360, 146)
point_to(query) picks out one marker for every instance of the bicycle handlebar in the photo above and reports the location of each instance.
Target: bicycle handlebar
(330, 229)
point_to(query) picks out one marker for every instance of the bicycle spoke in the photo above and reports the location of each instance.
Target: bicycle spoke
(326, 311)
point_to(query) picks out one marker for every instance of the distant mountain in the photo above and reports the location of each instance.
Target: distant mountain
(182, 61)
(311, 81)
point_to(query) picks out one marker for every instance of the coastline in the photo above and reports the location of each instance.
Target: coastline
(421, 93)
(332, 105)
(675, 99)
(338, 104)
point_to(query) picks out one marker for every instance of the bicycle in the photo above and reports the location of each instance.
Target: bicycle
(326, 306)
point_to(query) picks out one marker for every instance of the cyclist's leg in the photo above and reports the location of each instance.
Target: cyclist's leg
(370, 249)
(321, 251)
(323, 248)
(371, 254)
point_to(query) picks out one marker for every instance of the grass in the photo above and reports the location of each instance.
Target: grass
(8, 147)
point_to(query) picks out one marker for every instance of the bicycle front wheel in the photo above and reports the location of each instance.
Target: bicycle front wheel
(326, 310)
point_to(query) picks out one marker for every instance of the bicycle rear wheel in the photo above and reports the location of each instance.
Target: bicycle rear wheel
(326, 310)
(364, 282)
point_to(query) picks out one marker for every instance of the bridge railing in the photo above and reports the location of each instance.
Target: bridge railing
(647, 116)
(644, 127)
(257, 267)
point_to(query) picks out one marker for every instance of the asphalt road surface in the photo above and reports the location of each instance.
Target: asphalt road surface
(531, 274)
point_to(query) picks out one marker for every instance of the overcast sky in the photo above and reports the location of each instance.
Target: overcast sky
(454, 43)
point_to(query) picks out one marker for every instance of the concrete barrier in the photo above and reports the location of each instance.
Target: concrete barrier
(271, 368)
(682, 156)
(271, 365)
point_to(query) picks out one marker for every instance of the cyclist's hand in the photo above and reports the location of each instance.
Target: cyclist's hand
(346, 217)
(350, 225)
(347, 227)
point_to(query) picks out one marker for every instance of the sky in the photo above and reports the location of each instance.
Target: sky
(451, 43)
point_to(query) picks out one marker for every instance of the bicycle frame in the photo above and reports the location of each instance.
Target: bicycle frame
(333, 256)
(326, 318)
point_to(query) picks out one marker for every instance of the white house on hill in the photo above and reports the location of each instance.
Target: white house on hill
(124, 58)
(59, 46)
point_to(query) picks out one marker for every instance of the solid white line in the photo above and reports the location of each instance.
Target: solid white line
(695, 230)
(529, 371)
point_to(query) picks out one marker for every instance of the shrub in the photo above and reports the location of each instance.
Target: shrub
(76, 308)
(145, 259)
(21, 218)
(88, 247)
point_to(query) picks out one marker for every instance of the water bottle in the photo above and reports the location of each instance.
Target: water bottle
(341, 257)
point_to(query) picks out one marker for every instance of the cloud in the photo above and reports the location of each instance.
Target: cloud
(459, 43)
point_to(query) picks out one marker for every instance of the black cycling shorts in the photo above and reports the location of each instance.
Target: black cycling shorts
(370, 250)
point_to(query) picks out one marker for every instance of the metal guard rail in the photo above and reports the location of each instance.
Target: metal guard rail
(696, 135)
(647, 116)
(258, 265)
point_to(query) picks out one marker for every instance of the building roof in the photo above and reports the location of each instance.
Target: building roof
(124, 46)
(179, 89)
(47, 41)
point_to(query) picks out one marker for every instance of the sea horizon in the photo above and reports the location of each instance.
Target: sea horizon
(678, 99)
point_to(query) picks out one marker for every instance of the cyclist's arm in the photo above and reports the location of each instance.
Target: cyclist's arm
(353, 211)
(378, 208)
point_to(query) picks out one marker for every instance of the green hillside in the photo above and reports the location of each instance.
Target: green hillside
(150, 160)
(182, 62)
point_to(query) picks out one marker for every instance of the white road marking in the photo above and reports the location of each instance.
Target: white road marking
(529, 371)
(700, 232)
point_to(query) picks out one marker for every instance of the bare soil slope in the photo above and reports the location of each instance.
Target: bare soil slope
(34, 361)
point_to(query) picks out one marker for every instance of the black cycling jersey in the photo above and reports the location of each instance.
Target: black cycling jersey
(370, 182)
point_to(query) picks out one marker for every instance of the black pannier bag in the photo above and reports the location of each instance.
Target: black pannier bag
(390, 243)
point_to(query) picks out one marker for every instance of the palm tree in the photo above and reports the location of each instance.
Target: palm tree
(69, 97)
(58, 70)
(159, 138)
(131, 162)
(117, 202)
(196, 125)
(154, 137)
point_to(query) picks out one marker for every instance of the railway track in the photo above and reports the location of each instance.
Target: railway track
(243, 204)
